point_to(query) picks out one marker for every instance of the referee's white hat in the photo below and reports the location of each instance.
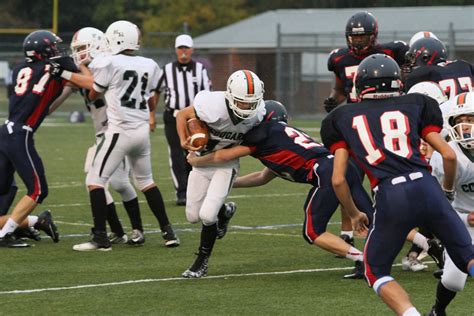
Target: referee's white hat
(183, 40)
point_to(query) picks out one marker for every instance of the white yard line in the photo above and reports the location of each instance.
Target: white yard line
(212, 277)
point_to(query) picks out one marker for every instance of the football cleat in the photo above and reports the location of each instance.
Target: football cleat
(115, 239)
(9, 241)
(347, 239)
(29, 233)
(435, 312)
(198, 269)
(357, 272)
(92, 246)
(136, 238)
(99, 242)
(412, 264)
(436, 250)
(224, 219)
(45, 223)
(171, 240)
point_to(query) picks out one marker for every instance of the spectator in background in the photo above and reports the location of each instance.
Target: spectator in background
(181, 80)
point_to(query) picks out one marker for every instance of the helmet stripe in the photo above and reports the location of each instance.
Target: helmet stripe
(462, 98)
(250, 84)
(426, 34)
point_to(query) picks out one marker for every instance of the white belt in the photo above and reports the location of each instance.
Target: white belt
(412, 176)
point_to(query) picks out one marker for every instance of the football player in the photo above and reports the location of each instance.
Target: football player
(126, 82)
(361, 36)
(291, 154)
(229, 115)
(87, 44)
(427, 61)
(35, 89)
(460, 121)
(383, 134)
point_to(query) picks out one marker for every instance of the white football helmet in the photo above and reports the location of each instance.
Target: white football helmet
(88, 43)
(421, 34)
(461, 132)
(431, 89)
(123, 35)
(244, 93)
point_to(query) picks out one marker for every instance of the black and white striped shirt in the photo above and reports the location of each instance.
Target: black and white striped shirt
(182, 82)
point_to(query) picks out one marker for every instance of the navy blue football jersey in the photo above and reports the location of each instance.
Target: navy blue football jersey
(344, 63)
(34, 91)
(453, 77)
(287, 151)
(384, 135)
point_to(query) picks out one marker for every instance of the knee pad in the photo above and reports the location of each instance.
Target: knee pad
(124, 188)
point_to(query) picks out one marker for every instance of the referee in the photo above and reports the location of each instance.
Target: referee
(181, 80)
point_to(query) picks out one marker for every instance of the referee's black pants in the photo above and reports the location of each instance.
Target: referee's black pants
(179, 166)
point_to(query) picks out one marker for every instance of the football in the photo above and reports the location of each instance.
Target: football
(198, 131)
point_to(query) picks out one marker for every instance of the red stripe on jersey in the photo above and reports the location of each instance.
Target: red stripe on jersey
(250, 84)
(45, 101)
(428, 129)
(339, 144)
(289, 158)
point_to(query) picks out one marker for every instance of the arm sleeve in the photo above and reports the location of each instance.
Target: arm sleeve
(101, 69)
(330, 134)
(431, 117)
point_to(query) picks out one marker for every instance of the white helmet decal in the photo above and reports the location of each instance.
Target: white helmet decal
(123, 35)
(244, 93)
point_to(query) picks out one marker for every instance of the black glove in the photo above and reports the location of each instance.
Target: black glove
(55, 69)
(330, 104)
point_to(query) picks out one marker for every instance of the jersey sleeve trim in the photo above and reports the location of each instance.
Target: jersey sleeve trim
(337, 145)
(98, 87)
(430, 128)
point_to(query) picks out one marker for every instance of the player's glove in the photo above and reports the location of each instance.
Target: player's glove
(449, 194)
(330, 104)
(57, 71)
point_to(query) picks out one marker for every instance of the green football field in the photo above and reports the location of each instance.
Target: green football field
(262, 267)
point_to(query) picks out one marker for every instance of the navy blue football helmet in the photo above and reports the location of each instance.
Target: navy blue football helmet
(40, 45)
(378, 76)
(361, 33)
(426, 51)
(275, 111)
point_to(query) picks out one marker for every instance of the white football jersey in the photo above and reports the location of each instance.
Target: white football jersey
(223, 132)
(464, 186)
(127, 83)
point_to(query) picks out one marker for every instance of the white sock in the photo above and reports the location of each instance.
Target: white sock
(412, 311)
(9, 227)
(349, 233)
(421, 241)
(32, 220)
(355, 254)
